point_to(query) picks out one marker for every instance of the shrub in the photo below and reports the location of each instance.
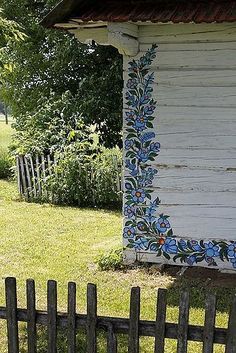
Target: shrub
(5, 164)
(85, 178)
(112, 260)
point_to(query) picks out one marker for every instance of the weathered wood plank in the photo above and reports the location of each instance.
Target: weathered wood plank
(160, 321)
(190, 33)
(38, 174)
(31, 316)
(23, 177)
(28, 176)
(52, 316)
(91, 318)
(231, 335)
(19, 184)
(111, 340)
(209, 325)
(182, 342)
(33, 175)
(71, 317)
(11, 315)
(134, 320)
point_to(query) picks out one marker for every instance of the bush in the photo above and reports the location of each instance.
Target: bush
(85, 178)
(112, 260)
(5, 164)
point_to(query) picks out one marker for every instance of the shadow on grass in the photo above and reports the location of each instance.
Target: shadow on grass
(199, 282)
(62, 341)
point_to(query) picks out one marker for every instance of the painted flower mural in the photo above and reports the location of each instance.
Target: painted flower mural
(145, 229)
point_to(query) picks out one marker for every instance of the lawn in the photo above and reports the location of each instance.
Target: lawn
(44, 242)
(5, 133)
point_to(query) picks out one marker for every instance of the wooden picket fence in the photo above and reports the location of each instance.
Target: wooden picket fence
(33, 172)
(133, 327)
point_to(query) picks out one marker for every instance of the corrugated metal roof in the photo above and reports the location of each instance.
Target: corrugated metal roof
(160, 11)
(175, 11)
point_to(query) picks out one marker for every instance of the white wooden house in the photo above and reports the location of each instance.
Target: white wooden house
(179, 122)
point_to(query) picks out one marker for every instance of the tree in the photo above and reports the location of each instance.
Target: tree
(54, 61)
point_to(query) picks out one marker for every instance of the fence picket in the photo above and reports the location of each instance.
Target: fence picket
(231, 336)
(52, 316)
(31, 316)
(11, 315)
(91, 318)
(111, 340)
(23, 178)
(38, 175)
(134, 320)
(33, 176)
(71, 317)
(28, 176)
(209, 326)
(19, 184)
(182, 342)
(160, 321)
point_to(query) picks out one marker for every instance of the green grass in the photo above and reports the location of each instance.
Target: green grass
(5, 134)
(44, 242)
(50, 242)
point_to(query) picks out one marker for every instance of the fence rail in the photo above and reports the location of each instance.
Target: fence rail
(132, 326)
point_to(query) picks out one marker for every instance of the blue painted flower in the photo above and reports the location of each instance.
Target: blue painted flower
(141, 244)
(141, 226)
(149, 109)
(211, 250)
(132, 100)
(195, 245)
(130, 116)
(132, 83)
(129, 232)
(129, 211)
(170, 246)
(155, 146)
(138, 195)
(132, 167)
(233, 262)
(143, 155)
(191, 260)
(232, 250)
(128, 144)
(144, 99)
(162, 225)
(147, 136)
(140, 123)
(183, 244)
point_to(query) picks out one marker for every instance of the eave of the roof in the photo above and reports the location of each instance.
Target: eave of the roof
(162, 11)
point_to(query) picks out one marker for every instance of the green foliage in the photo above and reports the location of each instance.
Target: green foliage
(112, 260)
(5, 164)
(86, 176)
(53, 127)
(53, 60)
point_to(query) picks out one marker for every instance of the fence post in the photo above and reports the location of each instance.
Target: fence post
(160, 321)
(111, 340)
(11, 313)
(71, 317)
(209, 325)
(52, 316)
(231, 335)
(182, 343)
(134, 320)
(91, 318)
(31, 316)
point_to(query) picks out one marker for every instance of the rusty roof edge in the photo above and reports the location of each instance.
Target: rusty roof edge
(59, 13)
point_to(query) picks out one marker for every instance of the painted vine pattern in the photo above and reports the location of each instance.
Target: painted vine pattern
(145, 229)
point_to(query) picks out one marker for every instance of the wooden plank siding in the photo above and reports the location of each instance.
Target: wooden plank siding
(195, 90)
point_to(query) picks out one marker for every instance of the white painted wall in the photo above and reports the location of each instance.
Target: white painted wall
(195, 74)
